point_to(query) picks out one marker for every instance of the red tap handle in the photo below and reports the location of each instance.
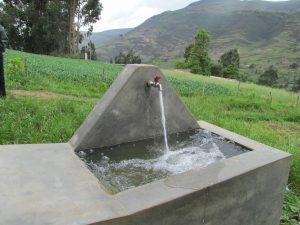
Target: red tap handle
(157, 79)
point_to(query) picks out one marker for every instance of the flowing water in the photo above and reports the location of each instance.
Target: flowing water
(163, 120)
(133, 164)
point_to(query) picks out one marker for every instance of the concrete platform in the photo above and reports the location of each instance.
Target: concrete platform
(49, 185)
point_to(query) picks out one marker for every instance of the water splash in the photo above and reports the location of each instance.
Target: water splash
(125, 174)
(143, 165)
(163, 120)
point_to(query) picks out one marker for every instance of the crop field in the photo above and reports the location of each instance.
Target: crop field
(61, 75)
(270, 116)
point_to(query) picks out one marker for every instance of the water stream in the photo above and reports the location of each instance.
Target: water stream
(163, 120)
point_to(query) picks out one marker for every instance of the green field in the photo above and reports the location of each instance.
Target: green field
(270, 116)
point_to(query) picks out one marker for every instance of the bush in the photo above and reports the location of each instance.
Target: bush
(252, 66)
(296, 86)
(231, 72)
(294, 66)
(181, 65)
(216, 70)
(16, 71)
(230, 58)
(269, 77)
(188, 51)
(129, 58)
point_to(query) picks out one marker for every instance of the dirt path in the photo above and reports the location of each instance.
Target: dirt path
(38, 94)
(51, 95)
(222, 78)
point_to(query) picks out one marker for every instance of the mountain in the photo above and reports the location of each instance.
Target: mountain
(105, 36)
(263, 32)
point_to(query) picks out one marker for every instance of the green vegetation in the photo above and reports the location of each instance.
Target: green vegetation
(48, 27)
(230, 62)
(196, 55)
(291, 209)
(198, 60)
(251, 110)
(61, 75)
(129, 58)
(269, 77)
(265, 33)
(89, 51)
(189, 88)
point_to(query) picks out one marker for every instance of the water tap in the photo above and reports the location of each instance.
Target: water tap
(156, 83)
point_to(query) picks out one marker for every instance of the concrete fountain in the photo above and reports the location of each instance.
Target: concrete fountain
(49, 183)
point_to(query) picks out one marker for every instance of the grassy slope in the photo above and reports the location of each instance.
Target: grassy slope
(250, 113)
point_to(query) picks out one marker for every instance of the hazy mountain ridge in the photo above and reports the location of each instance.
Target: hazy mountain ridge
(105, 36)
(232, 23)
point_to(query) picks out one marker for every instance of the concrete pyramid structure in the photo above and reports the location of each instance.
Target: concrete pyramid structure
(130, 111)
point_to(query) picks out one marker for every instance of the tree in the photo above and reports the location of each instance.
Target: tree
(188, 51)
(82, 13)
(230, 61)
(296, 86)
(90, 51)
(230, 72)
(294, 66)
(269, 77)
(199, 60)
(230, 58)
(129, 58)
(48, 26)
(216, 70)
(35, 26)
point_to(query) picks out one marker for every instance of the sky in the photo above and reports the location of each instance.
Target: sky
(128, 14)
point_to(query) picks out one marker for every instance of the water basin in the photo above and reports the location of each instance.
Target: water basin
(133, 164)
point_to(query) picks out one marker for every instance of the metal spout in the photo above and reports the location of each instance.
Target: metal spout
(156, 83)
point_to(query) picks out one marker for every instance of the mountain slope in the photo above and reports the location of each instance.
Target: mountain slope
(232, 23)
(105, 36)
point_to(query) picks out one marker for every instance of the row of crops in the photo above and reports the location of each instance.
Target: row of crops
(22, 67)
(64, 69)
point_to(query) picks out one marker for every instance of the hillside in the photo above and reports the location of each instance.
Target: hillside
(105, 36)
(265, 32)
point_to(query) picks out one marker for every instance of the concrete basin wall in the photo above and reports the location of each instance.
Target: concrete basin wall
(48, 184)
(243, 190)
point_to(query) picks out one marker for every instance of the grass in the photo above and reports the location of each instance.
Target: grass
(61, 75)
(264, 114)
(252, 113)
(27, 120)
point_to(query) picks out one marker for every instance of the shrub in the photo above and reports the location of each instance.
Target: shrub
(216, 70)
(181, 65)
(269, 77)
(129, 58)
(16, 71)
(294, 66)
(188, 51)
(231, 72)
(230, 58)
